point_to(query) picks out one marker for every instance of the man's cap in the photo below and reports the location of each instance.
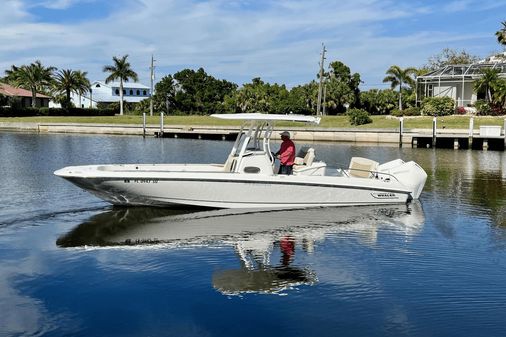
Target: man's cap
(285, 133)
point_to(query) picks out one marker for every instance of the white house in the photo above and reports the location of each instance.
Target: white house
(457, 80)
(100, 92)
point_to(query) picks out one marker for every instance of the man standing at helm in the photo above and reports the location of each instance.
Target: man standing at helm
(286, 154)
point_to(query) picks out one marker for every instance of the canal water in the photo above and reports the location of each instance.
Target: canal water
(71, 264)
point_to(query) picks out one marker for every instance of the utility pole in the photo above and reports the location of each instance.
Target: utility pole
(152, 68)
(320, 85)
(324, 97)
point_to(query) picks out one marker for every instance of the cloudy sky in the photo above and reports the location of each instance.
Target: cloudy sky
(279, 41)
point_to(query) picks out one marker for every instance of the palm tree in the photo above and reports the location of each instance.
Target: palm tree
(83, 84)
(499, 96)
(486, 82)
(69, 81)
(501, 34)
(34, 77)
(398, 77)
(10, 75)
(121, 71)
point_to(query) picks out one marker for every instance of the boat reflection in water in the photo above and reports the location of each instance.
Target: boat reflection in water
(258, 237)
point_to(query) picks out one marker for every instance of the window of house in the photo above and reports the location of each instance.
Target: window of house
(138, 92)
(144, 92)
(131, 92)
(430, 90)
(124, 92)
(97, 86)
(117, 91)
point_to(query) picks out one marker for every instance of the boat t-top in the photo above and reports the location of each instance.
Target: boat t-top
(249, 179)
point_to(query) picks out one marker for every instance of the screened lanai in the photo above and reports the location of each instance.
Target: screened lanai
(455, 81)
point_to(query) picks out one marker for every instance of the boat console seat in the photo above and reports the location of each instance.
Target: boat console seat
(362, 167)
(307, 160)
(307, 166)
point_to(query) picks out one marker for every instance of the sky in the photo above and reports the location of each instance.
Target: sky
(279, 41)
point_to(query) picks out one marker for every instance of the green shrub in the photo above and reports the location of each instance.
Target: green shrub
(396, 113)
(482, 107)
(86, 112)
(6, 111)
(44, 111)
(379, 102)
(358, 117)
(411, 111)
(18, 112)
(128, 107)
(438, 106)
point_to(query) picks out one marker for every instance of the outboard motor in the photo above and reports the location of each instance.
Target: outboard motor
(410, 174)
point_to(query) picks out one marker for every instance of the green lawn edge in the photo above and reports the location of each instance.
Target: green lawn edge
(379, 122)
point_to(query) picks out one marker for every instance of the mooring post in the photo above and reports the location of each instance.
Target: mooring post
(143, 125)
(161, 124)
(401, 130)
(504, 134)
(434, 126)
(471, 129)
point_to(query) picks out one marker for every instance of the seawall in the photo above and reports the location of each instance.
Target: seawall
(306, 134)
(447, 138)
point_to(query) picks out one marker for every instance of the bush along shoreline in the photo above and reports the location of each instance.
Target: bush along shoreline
(35, 112)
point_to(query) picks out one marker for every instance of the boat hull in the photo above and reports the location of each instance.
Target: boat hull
(228, 190)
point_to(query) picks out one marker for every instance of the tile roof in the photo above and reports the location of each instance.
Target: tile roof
(9, 90)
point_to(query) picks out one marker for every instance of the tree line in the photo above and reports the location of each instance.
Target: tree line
(196, 92)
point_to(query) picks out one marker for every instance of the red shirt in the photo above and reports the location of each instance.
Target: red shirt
(287, 152)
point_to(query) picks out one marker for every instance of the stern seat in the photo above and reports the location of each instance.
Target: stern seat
(362, 167)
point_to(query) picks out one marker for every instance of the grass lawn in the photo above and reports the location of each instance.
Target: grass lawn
(379, 122)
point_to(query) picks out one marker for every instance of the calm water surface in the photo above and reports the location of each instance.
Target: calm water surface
(71, 264)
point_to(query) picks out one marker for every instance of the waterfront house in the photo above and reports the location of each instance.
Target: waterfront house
(100, 92)
(457, 81)
(22, 97)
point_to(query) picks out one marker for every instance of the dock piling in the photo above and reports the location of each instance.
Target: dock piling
(401, 130)
(471, 129)
(143, 125)
(434, 126)
(161, 124)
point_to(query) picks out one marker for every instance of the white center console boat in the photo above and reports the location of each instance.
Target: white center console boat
(248, 178)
